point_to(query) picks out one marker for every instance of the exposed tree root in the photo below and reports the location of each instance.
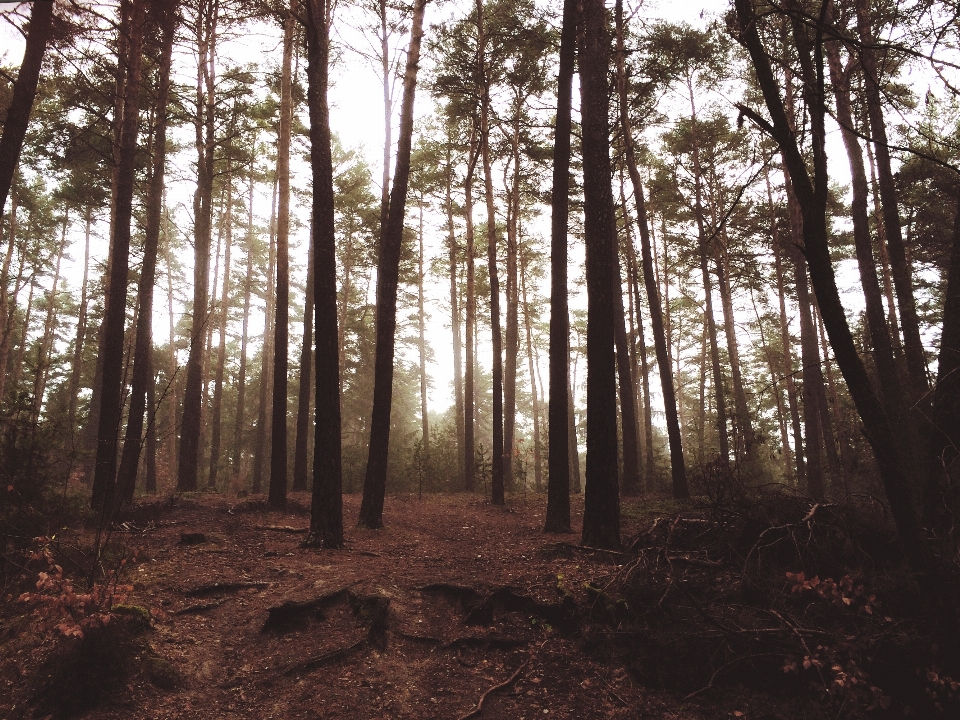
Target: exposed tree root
(506, 683)
(281, 617)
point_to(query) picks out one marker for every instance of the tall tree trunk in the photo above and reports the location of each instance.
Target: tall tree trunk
(601, 510)
(628, 403)
(240, 425)
(537, 448)
(470, 324)
(262, 437)
(884, 254)
(6, 314)
(24, 91)
(42, 369)
(512, 330)
(902, 272)
(142, 362)
(173, 369)
(746, 439)
(677, 467)
(76, 366)
(278, 437)
(422, 341)
(306, 375)
(940, 490)
(812, 194)
(326, 510)
(560, 437)
(388, 264)
(454, 307)
(649, 466)
(111, 398)
(498, 460)
(786, 344)
(191, 425)
(216, 409)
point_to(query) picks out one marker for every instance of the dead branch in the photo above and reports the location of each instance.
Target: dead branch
(506, 683)
(283, 528)
(320, 660)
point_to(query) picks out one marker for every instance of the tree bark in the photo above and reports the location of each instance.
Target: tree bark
(537, 446)
(306, 375)
(42, 369)
(191, 425)
(111, 349)
(601, 512)
(422, 342)
(454, 307)
(498, 460)
(143, 352)
(241, 418)
(391, 238)
(677, 467)
(76, 366)
(560, 437)
(902, 272)
(262, 436)
(216, 409)
(628, 404)
(24, 91)
(812, 194)
(277, 497)
(326, 510)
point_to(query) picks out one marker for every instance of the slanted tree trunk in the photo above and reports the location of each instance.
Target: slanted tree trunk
(111, 398)
(24, 91)
(326, 510)
(6, 314)
(677, 467)
(812, 194)
(601, 510)
(560, 400)
(388, 264)
(306, 375)
(191, 425)
(143, 353)
(277, 497)
(902, 272)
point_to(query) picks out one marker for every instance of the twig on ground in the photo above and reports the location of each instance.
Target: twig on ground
(283, 529)
(509, 681)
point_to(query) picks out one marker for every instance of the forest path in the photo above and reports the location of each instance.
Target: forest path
(418, 620)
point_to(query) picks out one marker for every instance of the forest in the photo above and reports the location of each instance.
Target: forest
(589, 359)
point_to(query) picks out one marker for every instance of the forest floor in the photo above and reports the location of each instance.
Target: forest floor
(454, 604)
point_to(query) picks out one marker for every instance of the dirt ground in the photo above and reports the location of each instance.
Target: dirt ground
(454, 602)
